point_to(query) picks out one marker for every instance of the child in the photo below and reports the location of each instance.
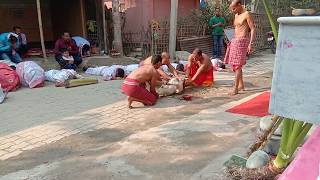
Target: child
(69, 61)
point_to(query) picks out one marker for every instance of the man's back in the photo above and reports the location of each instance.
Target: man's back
(143, 74)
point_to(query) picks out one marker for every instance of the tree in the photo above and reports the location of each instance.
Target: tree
(117, 42)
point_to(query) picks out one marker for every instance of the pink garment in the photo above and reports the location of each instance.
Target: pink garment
(305, 166)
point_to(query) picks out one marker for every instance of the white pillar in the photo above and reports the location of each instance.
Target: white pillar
(41, 30)
(173, 28)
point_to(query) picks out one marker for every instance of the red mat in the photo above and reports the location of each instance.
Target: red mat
(257, 106)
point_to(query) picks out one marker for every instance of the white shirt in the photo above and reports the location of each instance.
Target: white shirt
(80, 41)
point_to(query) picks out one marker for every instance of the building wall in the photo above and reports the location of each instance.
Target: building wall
(66, 17)
(57, 16)
(24, 13)
(140, 12)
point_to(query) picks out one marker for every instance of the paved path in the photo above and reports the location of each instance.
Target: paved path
(34, 118)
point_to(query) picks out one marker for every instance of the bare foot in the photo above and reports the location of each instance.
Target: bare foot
(234, 92)
(241, 89)
(129, 103)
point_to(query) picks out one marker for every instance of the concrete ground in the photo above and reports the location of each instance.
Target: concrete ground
(89, 133)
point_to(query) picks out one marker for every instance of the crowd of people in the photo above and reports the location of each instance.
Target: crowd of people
(155, 70)
(199, 69)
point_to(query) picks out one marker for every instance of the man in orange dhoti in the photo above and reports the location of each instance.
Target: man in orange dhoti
(199, 69)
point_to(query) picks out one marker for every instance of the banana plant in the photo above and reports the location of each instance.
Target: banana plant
(293, 134)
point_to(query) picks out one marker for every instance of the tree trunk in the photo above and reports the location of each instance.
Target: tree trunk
(117, 42)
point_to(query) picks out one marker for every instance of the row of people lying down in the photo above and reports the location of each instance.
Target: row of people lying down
(167, 69)
(199, 72)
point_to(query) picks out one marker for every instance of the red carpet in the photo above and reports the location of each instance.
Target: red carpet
(258, 106)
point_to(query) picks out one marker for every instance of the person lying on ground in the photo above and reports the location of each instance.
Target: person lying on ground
(114, 72)
(60, 77)
(165, 61)
(134, 85)
(65, 42)
(22, 38)
(83, 45)
(199, 69)
(9, 44)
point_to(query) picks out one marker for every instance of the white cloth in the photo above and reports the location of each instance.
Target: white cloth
(9, 63)
(70, 58)
(60, 75)
(2, 95)
(166, 69)
(108, 72)
(216, 64)
(130, 68)
(23, 39)
(183, 62)
(80, 41)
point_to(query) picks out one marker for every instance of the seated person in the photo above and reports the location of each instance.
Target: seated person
(68, 60)
(165, 61)
(9, 46)
(114, 72)
(199, 69)
(65, 42)
(23, 49)
(134, 85)
(83, 45)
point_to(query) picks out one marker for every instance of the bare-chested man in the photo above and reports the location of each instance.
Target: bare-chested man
(165, 61)
(241, 44)
(134, 85)
(199, 69)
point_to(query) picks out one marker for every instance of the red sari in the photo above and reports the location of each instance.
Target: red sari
(204, 79)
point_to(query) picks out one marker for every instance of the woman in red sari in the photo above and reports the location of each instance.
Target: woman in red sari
(199, 69)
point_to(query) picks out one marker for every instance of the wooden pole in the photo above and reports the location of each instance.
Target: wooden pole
(104, 27)
(173, 28)
(83, 21)
(41, 30)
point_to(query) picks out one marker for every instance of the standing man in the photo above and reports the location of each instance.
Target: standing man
(217, 23)
(241, 44)
(22, 38)
(66, 43)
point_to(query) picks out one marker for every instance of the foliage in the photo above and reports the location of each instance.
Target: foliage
(273, 23)
(293, 134)
(202, 16)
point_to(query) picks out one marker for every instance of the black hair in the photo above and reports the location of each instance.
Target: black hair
(85, 48)
(13, 39)
(156, 59)
(120, 73)
(66, 32)
(16, 27)
(64, 50)
(180, 67)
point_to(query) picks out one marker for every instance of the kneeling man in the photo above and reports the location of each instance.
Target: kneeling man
(165, 61)
(199, 69)
(134, 85)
